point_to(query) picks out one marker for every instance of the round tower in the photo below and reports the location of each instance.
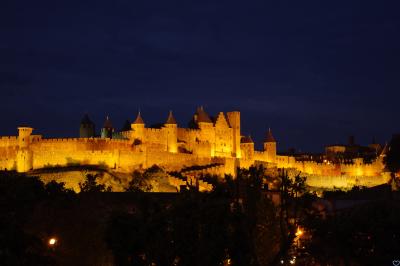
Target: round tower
(138, 128)
(24, 154)
(87, 127)
(270, 147)
(171, 128)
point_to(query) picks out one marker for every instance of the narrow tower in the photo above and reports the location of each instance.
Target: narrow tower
(206, 126)
(138, 129)
(108, 129)
(24, 154)
(87, 128)
(270, 147)
(172, 133)
(234, 122)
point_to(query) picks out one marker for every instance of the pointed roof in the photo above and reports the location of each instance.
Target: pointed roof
(138, 119)
(171, 119)
(107, 123)
(269, 137)
(86, 120)
(202, 116)
(246, 139)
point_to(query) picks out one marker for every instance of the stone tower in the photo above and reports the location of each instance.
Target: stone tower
(206, 126)
(270, 147)
(247, 151)
(172, 133)
(87, 128)
(24, 154)
(108, 129)
(234, 122)
(138, 128)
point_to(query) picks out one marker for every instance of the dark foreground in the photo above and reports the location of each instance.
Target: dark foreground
(134, 228)
(236, 224)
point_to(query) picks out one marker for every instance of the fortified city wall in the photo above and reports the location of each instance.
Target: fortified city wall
(218, 143)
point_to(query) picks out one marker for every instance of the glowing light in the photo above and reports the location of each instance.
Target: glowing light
(299, 232)
(291, 261)
(52, 241)
(282, 261)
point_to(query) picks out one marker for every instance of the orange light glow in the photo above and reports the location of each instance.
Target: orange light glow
(299, 232)
(52, 241)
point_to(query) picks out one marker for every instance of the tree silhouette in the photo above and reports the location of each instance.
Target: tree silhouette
(90, 184)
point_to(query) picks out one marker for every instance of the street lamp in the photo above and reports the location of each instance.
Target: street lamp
(52, 241)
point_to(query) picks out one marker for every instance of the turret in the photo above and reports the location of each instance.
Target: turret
(270, 147)
(24, 154)
(247, 147)
(87, 128)
(234, 122)
(108, 129)
(24, 134)
(138, 128)
(172, 133)
(205, 124)
(201, 118)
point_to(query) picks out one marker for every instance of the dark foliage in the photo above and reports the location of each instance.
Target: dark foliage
(367, 235)
(90, 185)
(141, 182)
(19, 197)
(234, 223)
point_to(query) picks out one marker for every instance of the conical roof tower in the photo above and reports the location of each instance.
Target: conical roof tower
(138, 119)
(171, 119)
(107, 123)
(202, 116)
(269, 137)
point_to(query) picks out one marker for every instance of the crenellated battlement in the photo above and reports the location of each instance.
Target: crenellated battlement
(155, 130)
(216, 143)
(8, 138)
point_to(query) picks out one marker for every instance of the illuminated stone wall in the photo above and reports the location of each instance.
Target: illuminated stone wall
(211, 143)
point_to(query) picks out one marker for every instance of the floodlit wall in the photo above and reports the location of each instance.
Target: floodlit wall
(8, 141)
(215, 144)
(8, 158)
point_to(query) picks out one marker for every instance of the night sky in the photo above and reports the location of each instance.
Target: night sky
(314, 71)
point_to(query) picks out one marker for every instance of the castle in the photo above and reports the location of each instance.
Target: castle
(216, 144)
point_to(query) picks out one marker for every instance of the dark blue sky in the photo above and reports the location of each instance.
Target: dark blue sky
(314, 71)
